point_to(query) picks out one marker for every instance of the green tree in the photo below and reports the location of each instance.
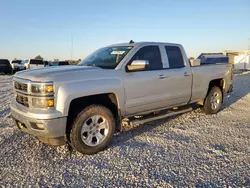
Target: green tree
(39, 57)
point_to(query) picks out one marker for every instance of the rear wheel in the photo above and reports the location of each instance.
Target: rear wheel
(213, 101)
(92, 130)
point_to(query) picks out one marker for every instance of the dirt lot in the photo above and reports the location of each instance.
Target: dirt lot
(193, 149)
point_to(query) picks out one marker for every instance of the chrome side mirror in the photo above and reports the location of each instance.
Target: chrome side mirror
(138, 65)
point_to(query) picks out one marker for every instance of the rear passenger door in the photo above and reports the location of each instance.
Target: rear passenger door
(178, 76)
(145, 90)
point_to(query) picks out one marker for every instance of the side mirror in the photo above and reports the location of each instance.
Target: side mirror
(195, 62)
(138, 65)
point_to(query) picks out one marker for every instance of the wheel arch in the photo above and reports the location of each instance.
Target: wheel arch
(219, 82)
(109, 100)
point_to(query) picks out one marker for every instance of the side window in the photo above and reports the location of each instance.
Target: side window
(151, 54)
(175, 58)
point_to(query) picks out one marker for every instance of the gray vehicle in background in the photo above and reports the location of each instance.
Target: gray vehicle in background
(130, 83)
(17, 65)
(33, 63)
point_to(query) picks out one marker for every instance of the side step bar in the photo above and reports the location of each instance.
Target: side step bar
(171, 113)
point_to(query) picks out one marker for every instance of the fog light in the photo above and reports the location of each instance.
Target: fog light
(40, 126)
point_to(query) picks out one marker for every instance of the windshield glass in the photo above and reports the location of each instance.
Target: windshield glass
(16, 61)
(107, 58)
(24, 61)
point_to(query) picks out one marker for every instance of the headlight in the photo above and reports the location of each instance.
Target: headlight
(42, 89)
(42, 103)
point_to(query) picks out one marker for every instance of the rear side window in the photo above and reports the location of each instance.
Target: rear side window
(175, 58)
(36, 62)
(151, 54)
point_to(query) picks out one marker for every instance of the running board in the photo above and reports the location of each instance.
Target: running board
(145, 120)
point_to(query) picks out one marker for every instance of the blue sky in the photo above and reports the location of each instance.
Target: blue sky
(32, 27)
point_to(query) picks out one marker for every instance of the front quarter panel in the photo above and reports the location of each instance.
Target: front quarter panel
(66, 92)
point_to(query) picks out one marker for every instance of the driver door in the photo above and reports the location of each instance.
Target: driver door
(144, 90)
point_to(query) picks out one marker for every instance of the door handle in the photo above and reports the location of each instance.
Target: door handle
(162, 77)
(186, 74)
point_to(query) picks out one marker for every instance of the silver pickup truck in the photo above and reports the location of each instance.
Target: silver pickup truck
(131, 83)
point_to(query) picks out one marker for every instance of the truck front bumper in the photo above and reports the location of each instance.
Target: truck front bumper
(50, 131)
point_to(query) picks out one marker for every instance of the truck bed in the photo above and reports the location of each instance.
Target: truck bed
(204, 73)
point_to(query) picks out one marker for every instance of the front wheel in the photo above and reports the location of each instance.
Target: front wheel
(92, 129)
(213, 101)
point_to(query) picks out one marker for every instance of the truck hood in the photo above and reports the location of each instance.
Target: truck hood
(55, 73)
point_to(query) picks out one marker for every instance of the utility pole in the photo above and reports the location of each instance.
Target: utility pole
(248, 43)
(71, 53)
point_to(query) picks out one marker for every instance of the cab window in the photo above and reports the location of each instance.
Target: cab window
(151, 54)
(175, 58)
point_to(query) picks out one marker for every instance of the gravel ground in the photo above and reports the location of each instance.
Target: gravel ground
(193, 149)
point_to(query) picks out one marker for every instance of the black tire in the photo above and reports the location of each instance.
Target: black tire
(208, 107)
(86, 114)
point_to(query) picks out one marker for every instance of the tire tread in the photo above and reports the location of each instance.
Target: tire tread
(78, 144)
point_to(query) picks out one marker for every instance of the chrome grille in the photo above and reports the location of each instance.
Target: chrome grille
(20, 86)
(22, 100)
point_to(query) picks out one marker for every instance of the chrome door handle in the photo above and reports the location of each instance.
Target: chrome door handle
(162, 77)
(186, 74)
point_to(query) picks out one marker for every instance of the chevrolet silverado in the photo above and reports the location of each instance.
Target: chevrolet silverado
(130, 83)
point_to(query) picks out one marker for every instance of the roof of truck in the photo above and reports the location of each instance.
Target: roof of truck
(143, 43)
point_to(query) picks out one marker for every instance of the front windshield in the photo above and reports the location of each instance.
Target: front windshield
(24, 61)
(106, 58)
(16, 61)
